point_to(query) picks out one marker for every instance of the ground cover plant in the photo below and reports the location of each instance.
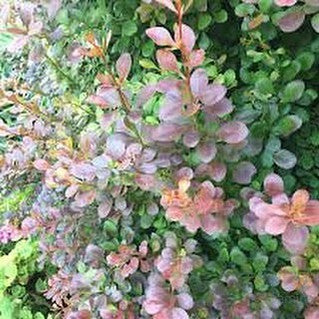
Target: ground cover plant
(158, 159)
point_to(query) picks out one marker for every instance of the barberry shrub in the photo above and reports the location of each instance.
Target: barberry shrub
(132, 163)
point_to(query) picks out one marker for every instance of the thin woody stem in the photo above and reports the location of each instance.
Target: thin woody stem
(123, 98)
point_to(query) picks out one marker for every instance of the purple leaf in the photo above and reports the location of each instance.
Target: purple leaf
(244, 172)
(53, 7)
(295, 238)
(172, 107)
(213, 94)
(285, 159)
(206, 151)
(110, 96)
(167, 132)
(115, 146)
(285, 3)
(233, 132)
(292, 21)
(198, 82)
(105, 208)
(83, 171)
(160, 36)
(168, 4)
(123, 66)
(145, 94)
(188, 38)
(221, 108)
(167, 60)
(196, 58)
(191, 139)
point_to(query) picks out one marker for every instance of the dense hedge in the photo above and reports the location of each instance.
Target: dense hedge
(159, 159)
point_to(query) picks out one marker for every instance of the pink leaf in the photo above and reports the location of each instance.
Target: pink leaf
(18, 43)
(26, 12)
(233, 132)
(83, 171)
(85, 198)
(185, 301)
(292, 21)
(276, 225)
(196, 58)
(221, 108)
(179, 313)
(98, 100)
(145, 94)
(168, 4)
(167, 60)
(285, 3)
(187, 42)
(198, 81)
(172, 108)
(167, 132)
(273, 185)
(295, 238)
(110, 96)
(244, 172)
(53, 7)
(123, 66)
(191, 139)
(213, 94)
(217, 171)
(41, 165)
(206, 151)
(160, 36)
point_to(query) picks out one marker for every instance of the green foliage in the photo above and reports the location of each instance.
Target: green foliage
(18, 296)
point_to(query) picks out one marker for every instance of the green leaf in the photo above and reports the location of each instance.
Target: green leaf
(247, 244)
(288, 125)
(290, 72)
(244, 9)
(129, 28)
(260, 262)
(264, 86)
(220, 16)
(265, 5)
(147, 64)
(238, 257)
(306, 60)
(315, 22)
(293, 91)
(204, 21)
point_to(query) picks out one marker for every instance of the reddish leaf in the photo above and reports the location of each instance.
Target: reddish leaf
(98, 100)
(292, 21)
(221, 108)
(206, 151)
(105, 208)
(188, 39)
(196, 58)
(123, 66)
(145, 94)
(41, 165)
(244, 172)
(167, 60)
(233, 132)
(53, 7)
(213, 94)
(285, 3)
(160, 36)
(167, 132)
(17, 44)
(198, 82)
(168, 4)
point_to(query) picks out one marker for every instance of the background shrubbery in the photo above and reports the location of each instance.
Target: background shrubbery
(141, 148)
